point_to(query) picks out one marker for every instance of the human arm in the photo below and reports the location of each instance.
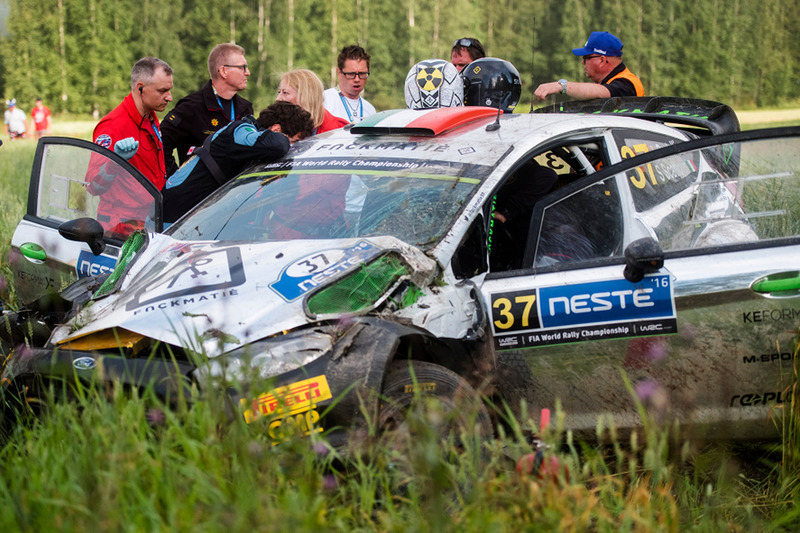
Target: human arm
(577, 90)
(171, 136)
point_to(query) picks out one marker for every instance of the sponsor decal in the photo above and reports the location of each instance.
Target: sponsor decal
(417, 168)
(104, 140)
(216, 272)
(384, 146)
(44, 281)
(302, 424)
(214, 122)
(770, 315)
(293, 408)
(768, 357)
(752, 400)
(421, 387)
(583, 312)
(92, 265)
(314, 269)
(84, 363)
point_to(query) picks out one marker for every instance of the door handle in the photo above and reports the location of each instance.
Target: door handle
(33, 252)
(779, 284)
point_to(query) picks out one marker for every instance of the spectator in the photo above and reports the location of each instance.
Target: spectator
(602, 62)
(352, 71)
(132, 130)
(227, 152)
(216, 104)
(15, 120)
(465, 51)
(304, 88)
(41, 119)
(433, 83)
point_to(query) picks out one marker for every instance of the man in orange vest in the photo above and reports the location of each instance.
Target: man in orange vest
(602, 62)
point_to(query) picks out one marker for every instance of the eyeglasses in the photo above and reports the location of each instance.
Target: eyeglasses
(464, 42)
(352, 75)
(244, 68)
(587, 58)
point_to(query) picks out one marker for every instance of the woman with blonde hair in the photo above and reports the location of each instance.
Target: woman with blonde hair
(304, 88)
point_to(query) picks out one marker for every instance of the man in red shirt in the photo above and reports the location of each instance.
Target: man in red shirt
(41, 119)
(132, 131)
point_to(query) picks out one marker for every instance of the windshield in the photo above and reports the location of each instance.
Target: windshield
(415, 201)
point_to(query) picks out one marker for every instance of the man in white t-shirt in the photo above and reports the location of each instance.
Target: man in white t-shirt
(346, 101)
(15, 120)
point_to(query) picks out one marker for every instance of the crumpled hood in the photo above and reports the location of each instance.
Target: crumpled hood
(217, 296)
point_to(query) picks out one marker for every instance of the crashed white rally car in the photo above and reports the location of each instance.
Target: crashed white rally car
(541, 257)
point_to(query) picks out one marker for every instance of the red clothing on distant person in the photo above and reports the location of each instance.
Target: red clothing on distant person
(331, 122)
(40, 117)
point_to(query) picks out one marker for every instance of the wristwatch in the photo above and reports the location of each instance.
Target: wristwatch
(563, 83)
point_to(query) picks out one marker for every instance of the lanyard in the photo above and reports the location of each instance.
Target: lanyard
(347, 107)
(155, 130)
(220, 103)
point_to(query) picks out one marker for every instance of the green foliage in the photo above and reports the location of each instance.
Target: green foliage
(115, 461)
(77, 54)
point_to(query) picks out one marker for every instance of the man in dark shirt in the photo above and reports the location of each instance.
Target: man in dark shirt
(203, 112)
(513, 207)
(227, 152)
(602, 62)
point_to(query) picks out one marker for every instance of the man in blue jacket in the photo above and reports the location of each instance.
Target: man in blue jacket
(228, 151)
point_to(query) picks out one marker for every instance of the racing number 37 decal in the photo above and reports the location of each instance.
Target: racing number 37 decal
(583, 312)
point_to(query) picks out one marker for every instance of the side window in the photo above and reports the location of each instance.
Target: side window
(539, 175)
(585, 225)
(75, 182)
(720, 195)
(748, 191)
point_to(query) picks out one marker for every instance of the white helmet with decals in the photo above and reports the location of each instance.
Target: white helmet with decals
(433, 83)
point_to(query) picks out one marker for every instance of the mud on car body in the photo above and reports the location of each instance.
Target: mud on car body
(365, 266)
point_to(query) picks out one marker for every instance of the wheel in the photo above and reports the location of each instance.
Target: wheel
(460, 408)
(429, 418)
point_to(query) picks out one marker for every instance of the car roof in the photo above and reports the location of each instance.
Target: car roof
(466, 135)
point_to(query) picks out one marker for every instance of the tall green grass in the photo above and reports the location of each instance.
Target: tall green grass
(109, 461)
(16, 159)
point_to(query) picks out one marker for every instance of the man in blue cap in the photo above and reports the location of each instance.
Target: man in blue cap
(602, 62)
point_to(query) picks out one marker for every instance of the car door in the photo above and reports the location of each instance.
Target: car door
(70, 179)
(706, 338)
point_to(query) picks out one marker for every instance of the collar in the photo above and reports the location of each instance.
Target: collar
(619, 68)
(210, 98)
(130, 107)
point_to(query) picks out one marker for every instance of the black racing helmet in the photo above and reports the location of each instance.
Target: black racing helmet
(492, 82)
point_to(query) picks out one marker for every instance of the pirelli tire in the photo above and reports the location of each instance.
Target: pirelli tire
(407, 381)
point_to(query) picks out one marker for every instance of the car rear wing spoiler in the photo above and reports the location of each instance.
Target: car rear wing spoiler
(700, 116)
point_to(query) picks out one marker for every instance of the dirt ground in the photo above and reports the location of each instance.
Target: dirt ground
(768, 116)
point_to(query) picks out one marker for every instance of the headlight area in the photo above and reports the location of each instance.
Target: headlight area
(364, 289)
(271, 356)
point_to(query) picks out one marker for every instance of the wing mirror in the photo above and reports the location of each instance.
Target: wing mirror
(642, 256)
(86, 230)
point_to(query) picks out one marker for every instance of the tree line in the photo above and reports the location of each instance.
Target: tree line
(77, 54)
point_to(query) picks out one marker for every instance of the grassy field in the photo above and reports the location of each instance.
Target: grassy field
(112, 463)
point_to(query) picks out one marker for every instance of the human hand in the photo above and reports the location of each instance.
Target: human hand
(126, 148)
(546, 89)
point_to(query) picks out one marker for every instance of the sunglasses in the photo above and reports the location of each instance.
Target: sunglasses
(464, 42)
(587, 58)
